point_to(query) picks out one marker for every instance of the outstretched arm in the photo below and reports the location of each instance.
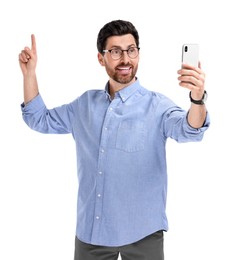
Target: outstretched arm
(28, 62)
(194, 78)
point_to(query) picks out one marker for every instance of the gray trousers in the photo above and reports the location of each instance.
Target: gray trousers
(149, 248)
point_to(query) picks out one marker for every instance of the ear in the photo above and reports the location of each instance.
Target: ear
(100, 59)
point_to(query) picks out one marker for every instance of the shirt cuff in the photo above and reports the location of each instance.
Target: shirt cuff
(34, 105)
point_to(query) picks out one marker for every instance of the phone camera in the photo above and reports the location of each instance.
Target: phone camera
(186, 48)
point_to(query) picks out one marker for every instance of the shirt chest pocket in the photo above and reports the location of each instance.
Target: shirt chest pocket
(131, 136)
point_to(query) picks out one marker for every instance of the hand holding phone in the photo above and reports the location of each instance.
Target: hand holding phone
(190, 54)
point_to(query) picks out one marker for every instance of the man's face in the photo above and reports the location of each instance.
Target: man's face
(122, 70)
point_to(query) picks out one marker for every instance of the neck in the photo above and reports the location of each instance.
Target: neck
(116, 86)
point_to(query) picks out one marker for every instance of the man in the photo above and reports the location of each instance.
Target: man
(120, 134)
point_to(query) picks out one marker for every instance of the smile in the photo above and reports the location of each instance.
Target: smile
(124, 68)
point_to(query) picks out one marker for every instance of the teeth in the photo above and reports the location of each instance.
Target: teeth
(125, 68)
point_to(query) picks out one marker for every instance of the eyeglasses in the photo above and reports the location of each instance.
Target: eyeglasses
(116, 53)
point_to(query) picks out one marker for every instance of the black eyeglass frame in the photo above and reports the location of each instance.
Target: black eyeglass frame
(138, 48)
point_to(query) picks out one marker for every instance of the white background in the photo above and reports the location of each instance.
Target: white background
(38, 183)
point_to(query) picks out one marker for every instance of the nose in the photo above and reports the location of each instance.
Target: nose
(125, 56)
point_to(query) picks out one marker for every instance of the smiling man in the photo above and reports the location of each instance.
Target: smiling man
(120, 134)
(121, 72)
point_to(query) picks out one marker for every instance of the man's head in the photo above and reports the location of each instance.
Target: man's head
(115, 28)
(118, 51)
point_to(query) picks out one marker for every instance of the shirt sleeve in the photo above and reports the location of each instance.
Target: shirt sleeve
(175, 124)
(58, 120)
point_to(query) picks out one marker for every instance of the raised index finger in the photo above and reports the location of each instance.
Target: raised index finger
(33, 43)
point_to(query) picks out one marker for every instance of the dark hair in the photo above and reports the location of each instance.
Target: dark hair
(115, 28)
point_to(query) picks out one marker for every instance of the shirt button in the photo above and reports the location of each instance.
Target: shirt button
(97, 217)
(102, 150)
(106, 128)
(99, 195)
(100, 173)
(110, 108)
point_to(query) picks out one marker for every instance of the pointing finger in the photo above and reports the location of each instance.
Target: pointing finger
(33, 43)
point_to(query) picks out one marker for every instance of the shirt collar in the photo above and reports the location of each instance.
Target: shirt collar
(126, 92)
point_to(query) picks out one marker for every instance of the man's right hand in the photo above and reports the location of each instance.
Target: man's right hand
(28, 57)
(28, 62)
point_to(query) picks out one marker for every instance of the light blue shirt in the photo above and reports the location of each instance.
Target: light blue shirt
(121, 158)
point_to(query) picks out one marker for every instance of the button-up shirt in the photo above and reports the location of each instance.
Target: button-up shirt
(121, 158)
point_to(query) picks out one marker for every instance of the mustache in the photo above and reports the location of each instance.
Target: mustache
(124, 64)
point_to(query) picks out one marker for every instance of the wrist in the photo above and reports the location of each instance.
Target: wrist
(199, 101)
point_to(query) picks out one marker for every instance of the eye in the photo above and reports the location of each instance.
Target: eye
(132, 49)
(116, 51)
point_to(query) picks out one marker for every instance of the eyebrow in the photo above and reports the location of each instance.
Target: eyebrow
(119, 47)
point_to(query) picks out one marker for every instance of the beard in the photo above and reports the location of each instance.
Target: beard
(120, 78)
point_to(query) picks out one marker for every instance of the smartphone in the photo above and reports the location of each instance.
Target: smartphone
(190, 54)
